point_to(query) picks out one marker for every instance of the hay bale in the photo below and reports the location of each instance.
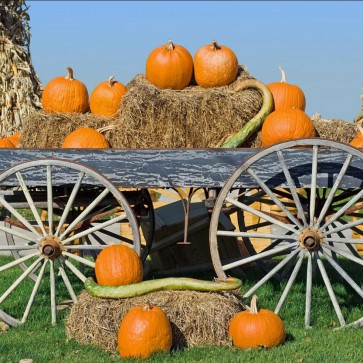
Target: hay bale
(197, 318)
(334, 129)
(150, 117)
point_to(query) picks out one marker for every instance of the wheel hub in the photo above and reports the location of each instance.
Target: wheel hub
(51, 247)
(311, 239)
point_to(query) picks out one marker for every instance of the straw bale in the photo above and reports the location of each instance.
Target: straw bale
(150, 117)
(197, 318)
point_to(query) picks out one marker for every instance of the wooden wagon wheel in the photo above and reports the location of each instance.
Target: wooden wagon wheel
(48, 248)
(304, 215)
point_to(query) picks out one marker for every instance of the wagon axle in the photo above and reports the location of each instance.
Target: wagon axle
(51, 247)
(311, 239)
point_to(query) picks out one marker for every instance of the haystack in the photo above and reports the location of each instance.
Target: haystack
(150, 117)
(197, 318)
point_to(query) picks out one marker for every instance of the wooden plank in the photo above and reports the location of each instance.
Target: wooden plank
(207, 168)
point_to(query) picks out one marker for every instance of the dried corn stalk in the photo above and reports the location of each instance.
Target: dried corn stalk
(20, 88)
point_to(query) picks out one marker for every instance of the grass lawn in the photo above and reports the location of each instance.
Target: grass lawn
(42, 342)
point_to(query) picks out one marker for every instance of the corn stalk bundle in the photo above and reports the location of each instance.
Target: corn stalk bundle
(20, 88)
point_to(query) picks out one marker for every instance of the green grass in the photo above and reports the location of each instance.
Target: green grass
(44, 343)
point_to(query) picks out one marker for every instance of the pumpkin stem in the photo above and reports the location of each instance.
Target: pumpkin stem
(170, 45)
(111, 80)
(283, 78)
(253, 307)
(215, 45)
(70, 74)
(147, 306)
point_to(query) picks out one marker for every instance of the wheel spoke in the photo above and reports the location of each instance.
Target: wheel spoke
(255, 235)
(70, 202)
(330, 291)
(85, 212)
(314, 170)
(79, 259)
(290, 282)
(309, 282)
(74, 269)
(292, 187)
(85, 247)
(18, 261)
(30, 202)
(333, 190)
(67, 283)
(52, 293)
(271, 273)
(20, 234)
(20, 279)
(18, 216)
(34, 291)
(345, 254)
(344, 227)
(272, 196)
(261, 215)
(343, 273)
(50, 198)
(94, 228)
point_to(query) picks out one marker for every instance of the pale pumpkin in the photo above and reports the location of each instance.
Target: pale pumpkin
(287, 95)
(169, 67)
(118, 265)
(215, 65)
(286, 124)
(85, 138)
(106, 97)
(143, 331)
(253, 328)
(65, 95)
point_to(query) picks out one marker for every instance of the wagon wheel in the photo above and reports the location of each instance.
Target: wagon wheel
(48, 248)
(309, 225)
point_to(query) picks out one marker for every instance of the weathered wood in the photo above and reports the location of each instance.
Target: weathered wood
(165, 168)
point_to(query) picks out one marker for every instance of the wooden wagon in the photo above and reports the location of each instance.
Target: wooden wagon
(293, 207)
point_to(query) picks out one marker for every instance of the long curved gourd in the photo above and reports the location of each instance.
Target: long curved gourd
(256, 122)
(168, 283)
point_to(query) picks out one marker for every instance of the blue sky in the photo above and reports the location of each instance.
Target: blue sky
(318, 43)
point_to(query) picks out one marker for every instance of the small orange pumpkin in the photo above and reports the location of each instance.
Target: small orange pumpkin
(118, 265)
(106, 97)
(143, 331)
(358, 140)
(14, 138)
(286, 124)
(85, 138)
(65, 95)
(169, 67)
(287, 95)
(6, 143)
(254, 328)
(215, 66)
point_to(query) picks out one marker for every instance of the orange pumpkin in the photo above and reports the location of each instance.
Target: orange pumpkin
(358, 140)
(287, 95)
(85, 138)
(14, 138)
(118, 265)
(6, 143)
(284, 125)
(106, 97)
(215, 66)
(143, 331)
(254, 328)
(169, 66)
(65, 95)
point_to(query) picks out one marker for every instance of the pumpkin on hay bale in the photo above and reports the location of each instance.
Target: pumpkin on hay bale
(151, 117)
(197, 318)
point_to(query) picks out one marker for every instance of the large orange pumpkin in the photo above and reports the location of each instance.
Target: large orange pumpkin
(287, 95)
(85, 138)
(254, 328)
(106, 97)
(169, 67)
(118, 265)
(215, 65)
(143, 331)
(65, 95)
(284, 125)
